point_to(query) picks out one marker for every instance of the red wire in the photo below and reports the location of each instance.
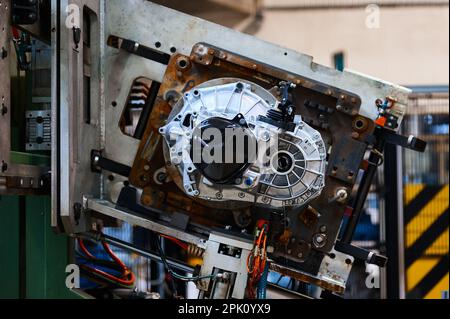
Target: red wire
(126, 282)
(15, 33)
(84, 249)
(113, 256)
(176, 241)
(125, 271)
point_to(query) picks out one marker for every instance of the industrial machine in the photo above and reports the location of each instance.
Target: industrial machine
(248, 153)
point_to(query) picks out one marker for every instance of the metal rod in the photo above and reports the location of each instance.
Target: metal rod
(363, 190)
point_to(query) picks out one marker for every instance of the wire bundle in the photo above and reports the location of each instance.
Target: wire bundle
(126, 278)
(173, 273)
(256, 260)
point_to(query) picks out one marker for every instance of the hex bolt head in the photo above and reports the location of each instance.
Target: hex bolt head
(319, 240)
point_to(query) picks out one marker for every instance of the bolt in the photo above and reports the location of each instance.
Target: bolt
(219, 195)
(300, 255)
(249, 181)
(161, 177)
(323, 228)
(266, 136)
(319, 240)
(341, 195)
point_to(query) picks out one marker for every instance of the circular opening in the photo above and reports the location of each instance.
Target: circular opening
(359, 124)
(332, 256)
(348, 261)
(173, 49)
(158, 44)
(282, 162)
(182, 63)
(114, 103)
(285, 53)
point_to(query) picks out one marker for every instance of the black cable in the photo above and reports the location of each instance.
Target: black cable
(174, 274)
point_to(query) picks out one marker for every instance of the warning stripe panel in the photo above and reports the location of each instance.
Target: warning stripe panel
(430, 280)
(424, 210)
(426, 218)
(418, 270)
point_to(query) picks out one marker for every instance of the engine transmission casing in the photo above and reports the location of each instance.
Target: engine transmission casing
(272, 167)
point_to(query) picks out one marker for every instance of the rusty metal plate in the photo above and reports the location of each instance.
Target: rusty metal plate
(331, 111)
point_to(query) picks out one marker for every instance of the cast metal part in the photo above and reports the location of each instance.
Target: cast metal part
(296, 181)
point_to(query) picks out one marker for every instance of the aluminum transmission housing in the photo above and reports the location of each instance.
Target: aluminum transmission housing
(280, 168)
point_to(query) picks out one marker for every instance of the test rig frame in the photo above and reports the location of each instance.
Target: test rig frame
(95, 61)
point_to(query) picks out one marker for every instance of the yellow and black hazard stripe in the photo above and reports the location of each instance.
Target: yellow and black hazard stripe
(426, 217)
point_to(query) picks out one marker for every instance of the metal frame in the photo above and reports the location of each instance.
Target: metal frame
(120, 18)
(15, 179)
(113, 72)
